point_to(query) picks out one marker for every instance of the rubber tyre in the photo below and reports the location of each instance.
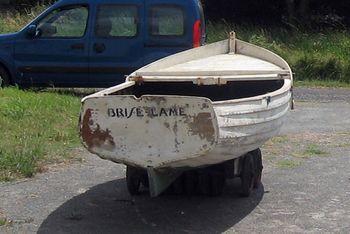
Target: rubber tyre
(133, 180)
(258, 168)
(4, 78)
(247, 175)
(144, 180)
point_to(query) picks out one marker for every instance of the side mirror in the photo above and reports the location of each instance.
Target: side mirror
(31, 31)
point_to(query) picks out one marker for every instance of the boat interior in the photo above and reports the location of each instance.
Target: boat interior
(231, 90)
(225, 70)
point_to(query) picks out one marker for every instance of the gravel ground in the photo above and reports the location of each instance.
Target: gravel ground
(310, 193)
(322, 94)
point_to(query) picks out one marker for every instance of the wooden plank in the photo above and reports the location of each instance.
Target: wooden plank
(262, 53)
(217, 63)
(207, 80)
(210, 73)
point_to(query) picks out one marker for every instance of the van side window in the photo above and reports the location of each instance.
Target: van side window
(116, 21)
(167, 21)
(65, 22)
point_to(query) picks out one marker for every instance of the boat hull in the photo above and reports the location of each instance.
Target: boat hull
(180, 131)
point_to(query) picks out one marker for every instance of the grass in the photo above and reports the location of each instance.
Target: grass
(280, 139)
(319, 59)
(287, 164)
(290, 151)
(311, 150)
(314, 150)
(321, 84)
(3, 221)
(36, 128)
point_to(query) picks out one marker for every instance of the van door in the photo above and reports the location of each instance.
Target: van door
(116, 47)
(169, 28)
(58, 54)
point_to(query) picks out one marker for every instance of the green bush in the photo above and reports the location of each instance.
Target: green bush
(310, 67)
(312, 56)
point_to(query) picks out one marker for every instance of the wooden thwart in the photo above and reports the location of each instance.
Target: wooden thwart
(208, 77)
(206, 80)
(211, 73)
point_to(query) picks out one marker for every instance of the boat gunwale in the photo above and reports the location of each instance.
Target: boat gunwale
(285, 88)
(279, 92)
(251, 111)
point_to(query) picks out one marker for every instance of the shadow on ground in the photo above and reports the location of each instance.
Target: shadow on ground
(108, 208)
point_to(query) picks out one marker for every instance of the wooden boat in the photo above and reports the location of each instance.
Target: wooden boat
(208, 107)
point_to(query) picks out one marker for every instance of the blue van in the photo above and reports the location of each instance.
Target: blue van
(95, 43)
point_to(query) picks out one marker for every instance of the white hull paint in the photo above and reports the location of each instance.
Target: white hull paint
(237, 126)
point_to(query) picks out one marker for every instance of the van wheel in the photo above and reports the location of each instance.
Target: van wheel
(247, 175)
(4, 77)
(133, 180)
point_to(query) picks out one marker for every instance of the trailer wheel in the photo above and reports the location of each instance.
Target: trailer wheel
(133, 180)
(258, 167)
(247, 175)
